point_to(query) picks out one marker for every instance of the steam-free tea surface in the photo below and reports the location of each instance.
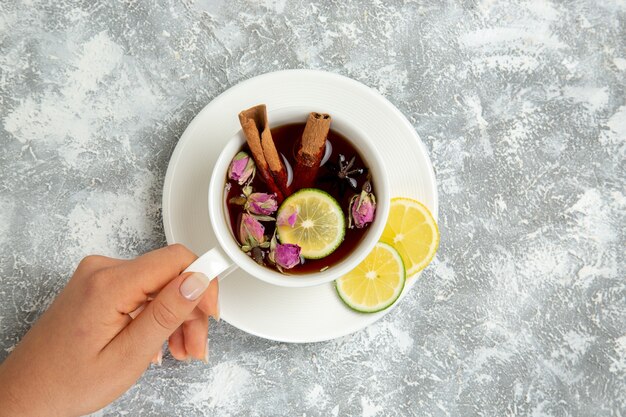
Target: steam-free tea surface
(286, 137)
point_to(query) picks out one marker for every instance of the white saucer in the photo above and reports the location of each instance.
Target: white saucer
(294, 315)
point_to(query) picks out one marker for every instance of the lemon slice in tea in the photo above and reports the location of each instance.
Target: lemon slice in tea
(319, 226)
(376, 283)
(413, 232)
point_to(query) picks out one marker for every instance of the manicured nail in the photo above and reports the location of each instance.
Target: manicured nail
(157, 359)
(194, 285)
(206, 352)
(136, 312)
(217, 314)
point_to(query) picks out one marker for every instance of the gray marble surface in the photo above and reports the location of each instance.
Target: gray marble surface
(521, 104)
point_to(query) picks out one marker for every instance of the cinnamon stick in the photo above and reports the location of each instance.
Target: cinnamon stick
(275, 162)
(256, 130)
(311, 150)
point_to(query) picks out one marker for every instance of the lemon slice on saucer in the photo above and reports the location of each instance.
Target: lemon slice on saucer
(319, 226)
(376, 283)
(413, 232)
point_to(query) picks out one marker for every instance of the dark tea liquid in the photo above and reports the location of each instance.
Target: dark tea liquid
(286, 139)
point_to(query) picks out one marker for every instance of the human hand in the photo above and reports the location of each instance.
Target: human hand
(86, 350)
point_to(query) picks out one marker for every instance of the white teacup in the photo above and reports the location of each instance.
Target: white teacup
(228, 255)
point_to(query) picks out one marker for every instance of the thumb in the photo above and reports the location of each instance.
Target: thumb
(147, 332)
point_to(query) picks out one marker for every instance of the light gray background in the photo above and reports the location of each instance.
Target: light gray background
(521, 104)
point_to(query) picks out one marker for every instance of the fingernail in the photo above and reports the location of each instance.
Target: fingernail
(136, 312)
(216, 316)
(157, 359)
(206, 352)
(194, 285)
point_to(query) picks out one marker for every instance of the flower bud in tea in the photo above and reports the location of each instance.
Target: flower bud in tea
(362, 209)
(262, 203)
(242, 168)
(251, 232)
(286, 255)
(287, 216)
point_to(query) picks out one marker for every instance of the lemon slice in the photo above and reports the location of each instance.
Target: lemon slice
(413, 232)
(376, 283)
(319, 227)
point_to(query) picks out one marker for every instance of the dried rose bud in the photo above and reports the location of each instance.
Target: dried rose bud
(286, 255)
(251, 232)
(287, 216)
(241, 168)
(362, 209)
(261, 203)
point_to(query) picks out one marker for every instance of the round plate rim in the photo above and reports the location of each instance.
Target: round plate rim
(186, 135)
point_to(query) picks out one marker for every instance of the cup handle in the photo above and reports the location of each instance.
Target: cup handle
(213, 263)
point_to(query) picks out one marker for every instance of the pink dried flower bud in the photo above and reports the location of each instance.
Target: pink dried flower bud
(251, 231)
(287, 255)
(262, 203)
(287, 216)
(362, 209)
(242, 168)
